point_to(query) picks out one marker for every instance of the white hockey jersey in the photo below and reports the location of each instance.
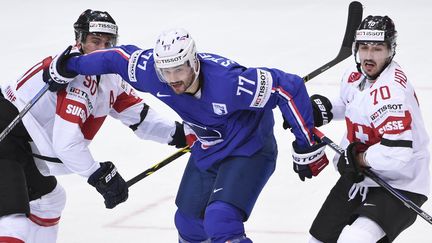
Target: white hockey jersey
(62, 124)
(386, 116)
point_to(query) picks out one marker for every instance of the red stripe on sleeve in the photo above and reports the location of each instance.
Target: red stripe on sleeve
(7, 239)
(125, 101)
(45, 222)
(91, 126)
(298, 114)
(32, 71)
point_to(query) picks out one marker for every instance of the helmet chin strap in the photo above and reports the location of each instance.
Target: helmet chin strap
(194, 86)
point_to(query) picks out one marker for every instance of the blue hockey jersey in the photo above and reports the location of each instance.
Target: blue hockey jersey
(233, 116)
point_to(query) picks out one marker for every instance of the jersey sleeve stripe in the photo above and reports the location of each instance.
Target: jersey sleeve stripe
(91, 126)
(32, 71)
(143, 115)
(120, 51)
(298, 117)
(125, 101)
(46, 222)
(396, 143)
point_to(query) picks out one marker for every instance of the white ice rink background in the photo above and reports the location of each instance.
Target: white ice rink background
(295, 36)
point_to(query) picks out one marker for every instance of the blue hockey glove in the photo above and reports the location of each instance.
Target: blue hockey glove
(56, 75)
(179, 138)
(321, 107)
(348, 164)
(109, 183)
(310, 161)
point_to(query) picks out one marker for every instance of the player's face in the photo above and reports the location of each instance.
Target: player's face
(179, 78)
(96, 42)
(373, 57)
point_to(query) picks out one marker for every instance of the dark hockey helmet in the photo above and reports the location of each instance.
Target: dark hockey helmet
(95, 22)
(376, 29)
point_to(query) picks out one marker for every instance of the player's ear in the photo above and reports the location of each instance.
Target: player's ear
(78, 44)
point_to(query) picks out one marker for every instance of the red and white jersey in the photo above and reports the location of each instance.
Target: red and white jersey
(385, 115)
(62, 124)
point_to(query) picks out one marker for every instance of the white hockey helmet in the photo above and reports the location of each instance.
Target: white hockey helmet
(173, 48)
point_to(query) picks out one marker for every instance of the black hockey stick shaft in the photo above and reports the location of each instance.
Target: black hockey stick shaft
(24, 111)
(157, 166)
(369, 173)
(355, 13)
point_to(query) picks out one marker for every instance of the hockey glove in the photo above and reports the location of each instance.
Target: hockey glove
(109, 183)
(348, 164)
(310, 161)
(321, 107)
(179, 138)
(56, 75)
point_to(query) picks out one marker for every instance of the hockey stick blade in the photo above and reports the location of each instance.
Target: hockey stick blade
(355, 13)
(157, 166)
(369, 173)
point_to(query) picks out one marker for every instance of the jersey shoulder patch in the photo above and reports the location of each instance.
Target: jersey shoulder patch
(354, 76)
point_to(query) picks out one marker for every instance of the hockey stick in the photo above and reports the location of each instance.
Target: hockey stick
(400, 196)
(24, 111)
(355, 13)
(157, 166)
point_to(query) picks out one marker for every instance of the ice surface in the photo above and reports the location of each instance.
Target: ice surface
(295, 36)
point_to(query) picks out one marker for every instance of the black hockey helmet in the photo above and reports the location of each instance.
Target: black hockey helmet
(97, 22)
(376, 29)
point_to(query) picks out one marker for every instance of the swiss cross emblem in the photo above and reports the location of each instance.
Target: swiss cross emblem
(360, 135)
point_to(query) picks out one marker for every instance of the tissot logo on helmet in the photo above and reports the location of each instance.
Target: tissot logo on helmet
(370, 35)
(103, 27)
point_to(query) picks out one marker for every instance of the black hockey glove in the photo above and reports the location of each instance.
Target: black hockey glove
(321, 107)
(179, 138)
(56, 75)
(310, 161)
(109, 183)
(348, 165)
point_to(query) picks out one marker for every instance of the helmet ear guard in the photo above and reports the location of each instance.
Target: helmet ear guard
(95, 22)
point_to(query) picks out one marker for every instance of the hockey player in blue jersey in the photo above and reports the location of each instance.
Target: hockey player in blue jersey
(228, 122)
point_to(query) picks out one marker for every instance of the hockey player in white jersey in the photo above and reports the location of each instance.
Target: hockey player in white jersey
(54, 135)
(385, 132)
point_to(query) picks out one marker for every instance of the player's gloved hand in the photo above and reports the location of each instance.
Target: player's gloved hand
(56, 75)
(348, 164)
(321, 107)
(109, 183)
(310, 161)
(179, 138)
